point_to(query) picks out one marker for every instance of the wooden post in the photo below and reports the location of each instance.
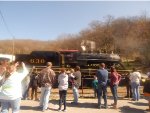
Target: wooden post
(82, 87)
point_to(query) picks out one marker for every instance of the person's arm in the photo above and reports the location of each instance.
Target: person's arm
(76, 77)
(59, 78)
(93, 84)
(119, 78)
(113, 79)
(96, 74)
(53, 77)
(130, 77)
(106, 78)
(71, 75)
(67, 80)
(139, 76)
(53, 73)
(24, 72)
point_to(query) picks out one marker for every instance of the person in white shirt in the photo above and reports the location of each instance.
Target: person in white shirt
(63, 86)
(11, 92)
(135, 78)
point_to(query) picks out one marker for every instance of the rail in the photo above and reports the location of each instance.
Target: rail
(39, 68)
(87, 76)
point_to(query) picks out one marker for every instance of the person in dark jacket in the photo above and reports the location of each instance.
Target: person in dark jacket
(102, 76)
(34, 85)
(146, 91)
(128, 86)
(76, 84)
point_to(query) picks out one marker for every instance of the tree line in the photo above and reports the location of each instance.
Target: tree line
(126, 36)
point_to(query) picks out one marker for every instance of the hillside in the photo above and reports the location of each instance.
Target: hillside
(128, 37)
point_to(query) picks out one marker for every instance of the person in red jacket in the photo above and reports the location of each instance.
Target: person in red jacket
(115, 78)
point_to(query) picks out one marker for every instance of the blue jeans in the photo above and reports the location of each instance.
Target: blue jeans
(14, 104)
(26, 93)
(135, 91)
(114, 93)
(75, 94)
(102, 89)
(44, 98)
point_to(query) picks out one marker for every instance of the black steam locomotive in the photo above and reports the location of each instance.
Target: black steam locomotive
(68, 59)
(89, 62)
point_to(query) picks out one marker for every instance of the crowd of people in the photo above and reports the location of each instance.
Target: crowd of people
(11, 85)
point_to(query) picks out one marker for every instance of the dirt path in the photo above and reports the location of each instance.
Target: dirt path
(87, 106)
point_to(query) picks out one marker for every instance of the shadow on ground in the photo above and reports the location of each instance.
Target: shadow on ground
(128, 109)
(139, 103)
(79, 105)
(30, 108)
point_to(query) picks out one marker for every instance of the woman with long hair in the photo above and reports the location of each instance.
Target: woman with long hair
(115, 78)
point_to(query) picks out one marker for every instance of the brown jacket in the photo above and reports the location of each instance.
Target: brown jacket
(46, 77)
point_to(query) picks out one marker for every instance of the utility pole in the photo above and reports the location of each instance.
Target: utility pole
(13, 46)
(8, 30)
